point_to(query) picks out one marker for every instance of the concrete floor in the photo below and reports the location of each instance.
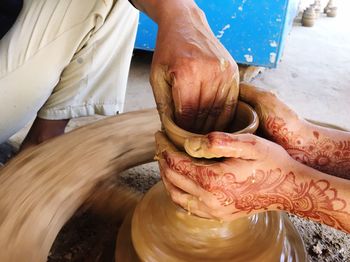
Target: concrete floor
(314, 75)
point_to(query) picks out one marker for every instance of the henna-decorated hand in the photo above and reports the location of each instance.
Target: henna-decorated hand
(325, 149)
(193, 76)
(223, 188)
(256, 175)
(276, 118)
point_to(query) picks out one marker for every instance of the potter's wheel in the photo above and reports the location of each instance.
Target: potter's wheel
(126, 148)
(160, 231)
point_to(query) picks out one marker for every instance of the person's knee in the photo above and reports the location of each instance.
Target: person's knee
(42, 130)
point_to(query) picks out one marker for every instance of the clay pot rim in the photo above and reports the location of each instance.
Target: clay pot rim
(173, 130)
(332, 8)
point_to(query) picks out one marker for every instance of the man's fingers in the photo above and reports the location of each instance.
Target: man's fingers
(231, 98)
(207, 101)
(186, 93)
(200, 103)
(219, 144)
(162, 90)
(227, 114)
(217, 108)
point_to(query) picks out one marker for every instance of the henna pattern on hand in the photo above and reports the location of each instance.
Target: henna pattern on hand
(321, 153)
(269, 190)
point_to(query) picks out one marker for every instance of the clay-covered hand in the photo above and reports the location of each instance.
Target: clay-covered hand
(193, 76)
(225, 188)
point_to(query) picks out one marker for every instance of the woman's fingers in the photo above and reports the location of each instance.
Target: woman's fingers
(192, 187)
(181, 181)
(206, 206)
(269, 108)
(219, 144)
(251, 94)
(190, 177)
(191, 204)
(190, 168)
(187, 201)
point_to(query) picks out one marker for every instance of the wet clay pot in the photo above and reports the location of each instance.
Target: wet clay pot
(309, 17)
(246, 121)
(159, 230)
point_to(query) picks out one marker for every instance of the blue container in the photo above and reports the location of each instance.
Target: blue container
(253, 31)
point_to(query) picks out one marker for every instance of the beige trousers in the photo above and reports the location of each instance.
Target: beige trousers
(64, 59)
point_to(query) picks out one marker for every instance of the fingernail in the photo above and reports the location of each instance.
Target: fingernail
(193, 146)
(194, 143)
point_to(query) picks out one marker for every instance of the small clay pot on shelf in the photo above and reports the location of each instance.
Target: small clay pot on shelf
(309, 17)
(317, 8)
(328, 6)
(332, 12)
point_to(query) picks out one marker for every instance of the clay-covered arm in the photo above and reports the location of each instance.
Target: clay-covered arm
(325, 149)
(194, 78)
(165, 9)
(256, 175)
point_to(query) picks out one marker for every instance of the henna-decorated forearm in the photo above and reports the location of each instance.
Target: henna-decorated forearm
(323, 149)
(316, 196)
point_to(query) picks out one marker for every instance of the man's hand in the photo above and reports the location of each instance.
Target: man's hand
(193, 76)
(239, 185)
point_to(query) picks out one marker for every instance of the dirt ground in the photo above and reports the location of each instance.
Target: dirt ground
(91, 237)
